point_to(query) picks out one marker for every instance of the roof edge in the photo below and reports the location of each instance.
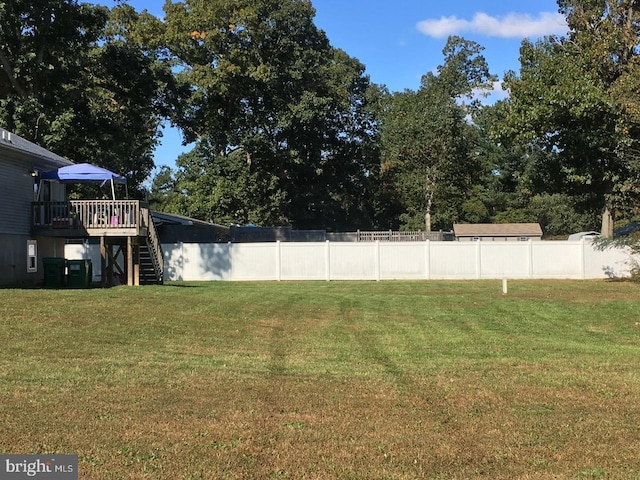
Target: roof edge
(15, 142)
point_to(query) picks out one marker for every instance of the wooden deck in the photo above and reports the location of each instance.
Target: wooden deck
(89, 218)
(123, 226)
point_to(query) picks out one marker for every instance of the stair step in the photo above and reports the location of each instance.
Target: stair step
(147, 274)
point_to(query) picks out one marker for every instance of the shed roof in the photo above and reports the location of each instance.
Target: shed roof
(175, 219)
(12, 141)
(497, 229)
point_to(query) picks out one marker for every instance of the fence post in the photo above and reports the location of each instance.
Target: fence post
(478, 260)
(582, 258)
(179, 268)
(278, 261)
(327, 260)
(530, 252)
(377, 260)
(427, 259)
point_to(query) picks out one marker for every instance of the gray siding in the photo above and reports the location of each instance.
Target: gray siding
(16, 190)
(13, 258)
(16, 195)
(18, 158)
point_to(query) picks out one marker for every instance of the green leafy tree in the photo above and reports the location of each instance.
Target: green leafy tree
(163, 190)
(44, 48)
(74, 80)
(430, 155)
(516, 181)
(575, 100)
(280, 118)
(223, 191)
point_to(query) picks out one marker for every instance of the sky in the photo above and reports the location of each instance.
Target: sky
(400, 40)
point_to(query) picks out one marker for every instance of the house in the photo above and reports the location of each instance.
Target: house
(21, 252)
(497, 232)
(37, 219)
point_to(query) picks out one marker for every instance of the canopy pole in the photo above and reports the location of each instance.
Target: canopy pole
(113, 191)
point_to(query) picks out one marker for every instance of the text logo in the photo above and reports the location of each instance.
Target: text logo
(39, 467)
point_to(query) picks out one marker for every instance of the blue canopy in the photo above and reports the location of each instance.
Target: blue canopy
(83, 173)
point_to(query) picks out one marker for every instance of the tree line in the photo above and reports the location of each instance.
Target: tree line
(288, 130)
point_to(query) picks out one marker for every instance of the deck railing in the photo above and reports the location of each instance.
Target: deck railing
(87, 214)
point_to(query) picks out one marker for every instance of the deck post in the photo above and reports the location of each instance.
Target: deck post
(110, 262)
(136, 263)
(103, 262)
(130, 262)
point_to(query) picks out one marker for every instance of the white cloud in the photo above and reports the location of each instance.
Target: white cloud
(512, 25)
(498, 92)
(489, 97)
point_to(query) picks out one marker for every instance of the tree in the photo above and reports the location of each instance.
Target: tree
(43, 49)
(576, 100)
(275, 110)
(515, 188)
(163, 192)
(74, 80)
(428, 146)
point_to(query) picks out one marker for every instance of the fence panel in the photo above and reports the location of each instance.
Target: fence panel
(206, 261)
(557, 259)
(254, 261)
(303, 261)
(353, 261)
(610, 263)
(173, 261)
(400, 260)
(505, 259)
(453, 260)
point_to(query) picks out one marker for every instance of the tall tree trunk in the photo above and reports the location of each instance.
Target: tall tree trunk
(607, 222)
(430, 186)
(427, 215)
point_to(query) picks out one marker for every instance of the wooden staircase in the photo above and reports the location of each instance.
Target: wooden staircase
(150, 251)
(148, 274)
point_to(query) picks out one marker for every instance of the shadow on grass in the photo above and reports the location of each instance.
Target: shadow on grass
(181, 285)
(42, 287)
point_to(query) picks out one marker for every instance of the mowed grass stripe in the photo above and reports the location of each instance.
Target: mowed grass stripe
(326, 380)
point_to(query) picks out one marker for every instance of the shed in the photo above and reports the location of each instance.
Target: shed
(174, 228)
(497, 232)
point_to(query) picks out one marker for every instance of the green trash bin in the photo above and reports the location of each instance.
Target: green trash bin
(79, 273)
(53, 272)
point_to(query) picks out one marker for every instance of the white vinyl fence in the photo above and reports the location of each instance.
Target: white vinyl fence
(381, 260)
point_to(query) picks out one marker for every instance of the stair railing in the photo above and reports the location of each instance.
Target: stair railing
(153, 243)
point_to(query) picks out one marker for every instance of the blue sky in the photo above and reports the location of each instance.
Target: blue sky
(399, 41)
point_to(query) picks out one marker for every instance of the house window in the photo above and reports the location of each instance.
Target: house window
(475, 239)
(32, 256)
(523, 239)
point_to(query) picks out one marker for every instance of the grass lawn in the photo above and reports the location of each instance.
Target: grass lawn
(315, 380)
